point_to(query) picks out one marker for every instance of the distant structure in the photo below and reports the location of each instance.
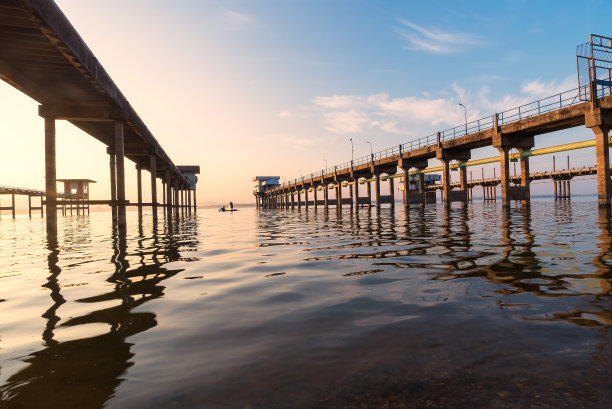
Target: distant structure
(190, 172)
(264, 183)
(76, 193)
(428, 180)
(77, 187)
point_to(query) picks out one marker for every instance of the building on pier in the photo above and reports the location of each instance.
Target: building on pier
(264, 183)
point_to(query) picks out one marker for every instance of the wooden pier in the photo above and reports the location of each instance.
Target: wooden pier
(43, 56)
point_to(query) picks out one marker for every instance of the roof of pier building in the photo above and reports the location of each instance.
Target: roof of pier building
(44, 57)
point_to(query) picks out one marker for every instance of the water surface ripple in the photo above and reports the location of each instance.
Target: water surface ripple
(475, 306)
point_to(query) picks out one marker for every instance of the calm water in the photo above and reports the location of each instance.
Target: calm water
(475, 307)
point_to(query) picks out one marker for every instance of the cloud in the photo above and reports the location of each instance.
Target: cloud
(345, 122)
(418, 116)
(297, 143)
(233, 19)
(541, 89)
(434, 40)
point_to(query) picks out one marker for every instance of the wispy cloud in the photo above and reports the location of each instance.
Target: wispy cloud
(299, 144)
(232, 19)
(435, 40)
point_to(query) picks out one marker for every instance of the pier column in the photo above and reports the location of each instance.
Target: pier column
(176, 195)
(339, 194)
(421, 182)
(50, 176)
(377, 189)
(602, 150)
(139, 185)
(153, 164)
(119, 153)
(391, 189)
(113, 183)
(195, 203)
(369, 190)
(325, 195)
(463, 177)
(351, 195)
(525, 174)
(299, 199)
(356, 195)
(306, 197)
(505, 173)
(406, 185)
(168, 192)
(446, 180)
(315, 187)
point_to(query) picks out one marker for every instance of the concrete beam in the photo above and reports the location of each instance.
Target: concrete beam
(78, 113)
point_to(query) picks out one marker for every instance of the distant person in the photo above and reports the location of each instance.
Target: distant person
(231, 206)
(222, 208)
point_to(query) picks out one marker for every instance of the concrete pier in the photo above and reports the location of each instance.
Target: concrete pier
(54, 66)
(513, 132)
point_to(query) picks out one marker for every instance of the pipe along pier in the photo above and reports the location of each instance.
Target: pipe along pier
(44, 57)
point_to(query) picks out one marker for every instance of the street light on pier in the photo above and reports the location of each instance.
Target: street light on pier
(302, 176)
(370, 143)
(325, 160)
(465, 113)
(352, 150)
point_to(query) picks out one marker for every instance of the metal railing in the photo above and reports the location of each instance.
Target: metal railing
(561, 100)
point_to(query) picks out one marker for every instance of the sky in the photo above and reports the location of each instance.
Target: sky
(279, 87)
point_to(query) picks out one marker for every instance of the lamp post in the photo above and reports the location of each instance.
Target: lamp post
(465, 113)
(352, 150)
(325, 160)
(371, 154)
(302, 176)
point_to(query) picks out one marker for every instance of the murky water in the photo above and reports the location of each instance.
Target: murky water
(475, 307)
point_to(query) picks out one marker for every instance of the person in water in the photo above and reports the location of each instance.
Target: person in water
(222, 208)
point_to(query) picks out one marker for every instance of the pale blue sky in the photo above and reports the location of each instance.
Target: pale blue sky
(274, 87)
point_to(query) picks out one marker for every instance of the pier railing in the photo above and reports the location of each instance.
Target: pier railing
(557, 101)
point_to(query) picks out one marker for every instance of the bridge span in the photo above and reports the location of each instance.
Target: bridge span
(43, 56)
(588, 105)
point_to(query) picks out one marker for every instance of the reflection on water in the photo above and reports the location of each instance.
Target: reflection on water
(84, 372)
(471, 306)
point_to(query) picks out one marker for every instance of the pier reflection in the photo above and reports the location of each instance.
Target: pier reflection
(595, 310)
(498, 244)
(85, 372)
